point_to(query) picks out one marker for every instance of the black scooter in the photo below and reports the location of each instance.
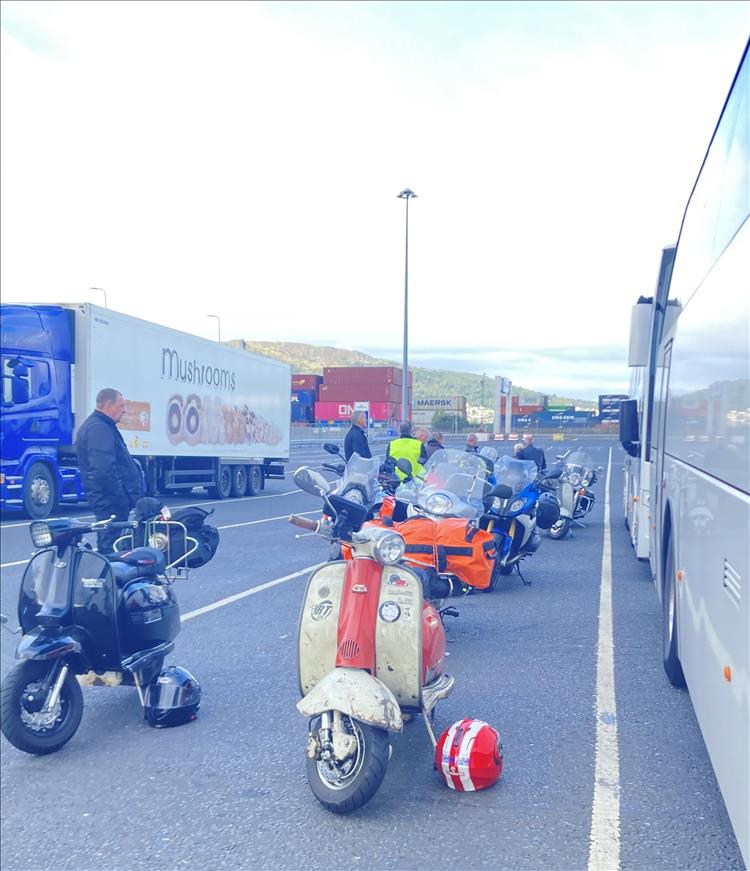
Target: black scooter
(85, 620)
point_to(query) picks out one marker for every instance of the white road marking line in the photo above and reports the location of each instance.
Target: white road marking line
(228, 526)
(264, 520)
(604, 841)
(245, 593)
(209, 502)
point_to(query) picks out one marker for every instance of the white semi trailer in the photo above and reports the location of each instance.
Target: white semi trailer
(198, 413)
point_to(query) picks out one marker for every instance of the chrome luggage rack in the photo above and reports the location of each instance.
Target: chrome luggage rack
(158, 534)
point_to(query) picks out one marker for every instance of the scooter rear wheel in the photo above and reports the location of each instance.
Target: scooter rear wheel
(38, 733)
(344, 787)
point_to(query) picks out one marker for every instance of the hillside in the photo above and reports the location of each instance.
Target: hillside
(312, 359)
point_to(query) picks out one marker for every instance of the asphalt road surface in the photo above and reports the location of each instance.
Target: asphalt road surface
(229, 790)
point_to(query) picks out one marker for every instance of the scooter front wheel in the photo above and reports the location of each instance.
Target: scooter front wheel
(344, 786)
(38, 731)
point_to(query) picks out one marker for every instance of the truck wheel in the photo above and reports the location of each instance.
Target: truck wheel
(239, 481)
(254, 480)
(39, 492)
(223, 487)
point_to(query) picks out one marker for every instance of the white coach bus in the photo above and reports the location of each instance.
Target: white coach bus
(691, 441)
(650, 317)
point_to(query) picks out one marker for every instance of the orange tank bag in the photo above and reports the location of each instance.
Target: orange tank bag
(452, 545)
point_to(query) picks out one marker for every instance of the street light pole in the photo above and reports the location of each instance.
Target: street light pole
(218, 323)
(406, 194)
(104, 292)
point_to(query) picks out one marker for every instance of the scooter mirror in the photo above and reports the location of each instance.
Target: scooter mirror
(311, 481)
(330, 447)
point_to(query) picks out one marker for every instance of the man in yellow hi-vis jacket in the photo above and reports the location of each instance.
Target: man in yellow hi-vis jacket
(406, 447)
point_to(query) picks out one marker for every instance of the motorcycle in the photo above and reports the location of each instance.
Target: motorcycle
(573, 493)
(517, 518)
(371, 645)
(365, 481)
(86, 619)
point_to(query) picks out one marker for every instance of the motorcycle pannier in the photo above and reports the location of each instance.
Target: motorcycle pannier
(453, 546)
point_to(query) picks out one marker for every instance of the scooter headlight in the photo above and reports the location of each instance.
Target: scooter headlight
(438, 503)
(574, 479)
(41, 534)
(516, 505)
(389, 549)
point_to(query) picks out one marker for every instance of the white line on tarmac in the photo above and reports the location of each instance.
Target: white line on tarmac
(604, 842)
(228, 526)
(264, 520)
(17, 563)
(251, 592)
(209, 502)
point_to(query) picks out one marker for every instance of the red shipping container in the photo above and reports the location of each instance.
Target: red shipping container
(527, 409)
(363, 375)
(360, 392)
(342, 411)
(306, 382)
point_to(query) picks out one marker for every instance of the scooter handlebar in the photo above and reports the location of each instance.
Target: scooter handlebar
(304, 522)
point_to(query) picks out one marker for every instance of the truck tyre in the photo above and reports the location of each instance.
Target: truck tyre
(39, 492)
(239, 481)
(223, 486)
(254, 480)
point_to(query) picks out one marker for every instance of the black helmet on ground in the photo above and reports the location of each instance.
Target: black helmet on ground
(172, 698)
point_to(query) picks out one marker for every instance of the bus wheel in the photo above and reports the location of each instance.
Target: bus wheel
(669, 609)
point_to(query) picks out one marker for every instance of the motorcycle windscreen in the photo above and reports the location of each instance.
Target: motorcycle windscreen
(398, 635)
(317, 639)
(516, 474)
(94, 610)
(42, 586)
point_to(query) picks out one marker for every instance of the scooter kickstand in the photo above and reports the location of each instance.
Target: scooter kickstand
(525, 582)
(428, 726)
(448, 611)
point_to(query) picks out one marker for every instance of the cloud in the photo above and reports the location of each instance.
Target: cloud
(244, 159)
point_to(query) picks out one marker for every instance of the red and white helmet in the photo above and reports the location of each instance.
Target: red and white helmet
(469, 755)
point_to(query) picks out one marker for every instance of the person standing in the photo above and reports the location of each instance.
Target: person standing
(112, 479)
(355, 441)
(422, 435)
(406, 447)
(530, 452)
(472, 443)
(435, 443)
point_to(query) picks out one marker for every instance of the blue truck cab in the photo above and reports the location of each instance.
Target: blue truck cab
(37, 461)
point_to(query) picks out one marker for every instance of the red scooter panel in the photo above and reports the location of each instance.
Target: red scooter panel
(433, 644)
(359, 609)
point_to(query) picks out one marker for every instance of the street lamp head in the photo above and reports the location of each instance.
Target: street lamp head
(406, 194)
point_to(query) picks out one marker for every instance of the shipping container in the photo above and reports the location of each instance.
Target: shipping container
(442, 403)
(342, 411)
(363, 375)
(306, 382)
(360, 392)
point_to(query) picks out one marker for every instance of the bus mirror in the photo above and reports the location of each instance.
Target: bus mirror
(629, 435)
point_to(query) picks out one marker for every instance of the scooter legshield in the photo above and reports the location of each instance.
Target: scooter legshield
(357, 694)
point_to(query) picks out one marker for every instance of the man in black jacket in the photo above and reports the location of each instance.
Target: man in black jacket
(532, 453)
(355, 441)
(111, 478)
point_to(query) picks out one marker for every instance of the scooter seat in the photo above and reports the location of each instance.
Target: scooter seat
(137, 563)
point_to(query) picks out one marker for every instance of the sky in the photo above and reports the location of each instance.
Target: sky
(243, 159)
